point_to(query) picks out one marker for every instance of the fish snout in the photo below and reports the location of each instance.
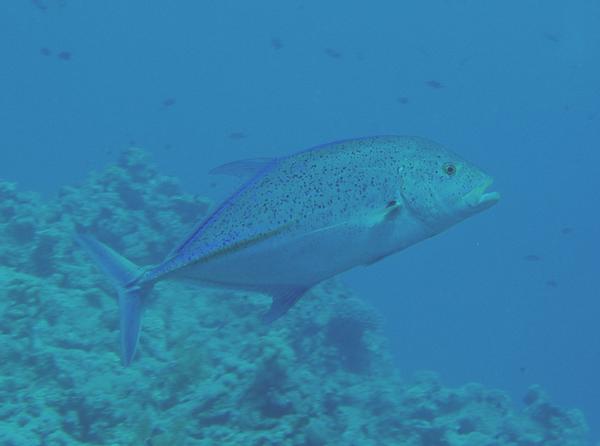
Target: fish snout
(479, 199)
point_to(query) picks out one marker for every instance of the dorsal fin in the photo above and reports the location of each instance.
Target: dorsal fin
(242, 168)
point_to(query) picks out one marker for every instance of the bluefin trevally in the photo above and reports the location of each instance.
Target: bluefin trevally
(304, 218)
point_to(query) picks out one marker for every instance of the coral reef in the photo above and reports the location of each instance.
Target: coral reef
(207, 371)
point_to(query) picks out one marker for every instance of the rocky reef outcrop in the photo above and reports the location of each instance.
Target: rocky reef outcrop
(208, 372)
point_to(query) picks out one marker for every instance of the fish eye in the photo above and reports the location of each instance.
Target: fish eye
(449, 169)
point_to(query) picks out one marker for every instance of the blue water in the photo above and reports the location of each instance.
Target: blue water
(508, 298)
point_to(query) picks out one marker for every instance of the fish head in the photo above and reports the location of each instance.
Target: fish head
(442, 189)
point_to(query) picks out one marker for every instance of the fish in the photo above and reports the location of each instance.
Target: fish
(552, 283)
(333, 53)
(552, 37)
(39, 5)
(65, 55)
(276, 43)
(300, 219)
(436, 85)
(532, 258)
(237, 135)
(168, 102)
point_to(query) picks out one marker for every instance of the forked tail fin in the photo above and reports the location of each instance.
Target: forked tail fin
(122, 274)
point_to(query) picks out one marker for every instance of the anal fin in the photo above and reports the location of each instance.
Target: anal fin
(284, 298)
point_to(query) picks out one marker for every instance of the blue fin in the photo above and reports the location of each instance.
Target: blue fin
(123, 274)
(243, 168)
(284, 298)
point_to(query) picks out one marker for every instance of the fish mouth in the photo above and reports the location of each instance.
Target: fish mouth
(479, 199)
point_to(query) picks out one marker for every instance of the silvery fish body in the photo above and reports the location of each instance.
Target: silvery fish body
(304, 218)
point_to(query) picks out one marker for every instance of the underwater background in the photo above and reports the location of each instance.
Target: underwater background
(111, 115)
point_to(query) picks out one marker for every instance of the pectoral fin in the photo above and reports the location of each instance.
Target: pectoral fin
(390, 211)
